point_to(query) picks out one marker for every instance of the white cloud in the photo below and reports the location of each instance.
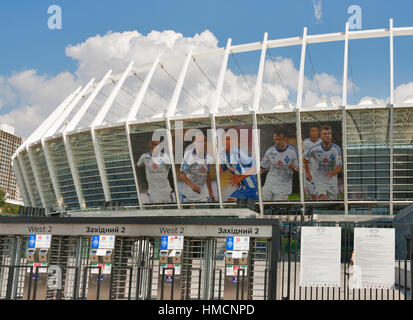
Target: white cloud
(318, 11)
(403, 92)
(35, 96)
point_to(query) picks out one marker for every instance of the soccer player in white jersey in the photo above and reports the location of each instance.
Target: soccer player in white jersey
(157, 165)
(329, 164)
(311, 141)
(195, 173)
(282, 161)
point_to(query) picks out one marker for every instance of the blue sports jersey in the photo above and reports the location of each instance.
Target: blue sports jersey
(238, 162)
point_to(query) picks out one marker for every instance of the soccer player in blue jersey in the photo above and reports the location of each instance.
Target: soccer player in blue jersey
(329, 161)
(242, 166)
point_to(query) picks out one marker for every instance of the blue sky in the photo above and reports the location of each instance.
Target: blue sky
(27, 43)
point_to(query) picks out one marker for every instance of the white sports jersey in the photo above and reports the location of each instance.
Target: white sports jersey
(327, 160)
(307, 144)
(156, 169)
(280, 175)
(195, 167)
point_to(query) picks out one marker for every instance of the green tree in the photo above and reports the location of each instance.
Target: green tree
(2, 198)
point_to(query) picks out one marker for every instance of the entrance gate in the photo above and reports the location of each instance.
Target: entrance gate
(131, 268)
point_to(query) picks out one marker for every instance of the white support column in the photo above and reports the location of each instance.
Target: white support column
(301, 73)
(258, 85)
(21, 182)
(345, 70)
(298, 117)
(62, 117)
(78, 116)
(344, 119)
(221, 78)
(101, 165)
(391, 173)
(73, 171)
(178, 88)
(344, 137)
(26, 180)
(52, 174)
(109, 101)
(171, 156)
(36, 177)
(391, 142)
(391, 63)
(142, 91)
(38, 133)
(216, 159)
(135, 176)
(256, 144)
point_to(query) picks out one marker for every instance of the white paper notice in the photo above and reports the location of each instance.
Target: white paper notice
(374, 254)
(320, 256)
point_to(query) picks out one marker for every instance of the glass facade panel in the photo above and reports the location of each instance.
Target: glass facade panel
(87, 169)
(403, 154)
(368, 154)
(64, 177)
(32, 182)
(44, 178)
(115, 152)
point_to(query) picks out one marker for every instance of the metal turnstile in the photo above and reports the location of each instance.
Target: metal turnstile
(100, 268)
(236, 281)
(170, 268)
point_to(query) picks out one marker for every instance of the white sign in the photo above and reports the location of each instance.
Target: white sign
(105, 268)
(320, 256)
(374, 254)
(236, 254)
(43, 241)
(106, 242)
(233, 270)
(175, 242)
(169, 270)
(242, 243)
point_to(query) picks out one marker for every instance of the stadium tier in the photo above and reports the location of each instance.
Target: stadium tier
(142, 139)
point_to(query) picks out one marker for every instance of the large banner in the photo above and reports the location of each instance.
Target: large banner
(279, 162)
(322, 160)
(237, 163)
(153, 167)
(195, 164)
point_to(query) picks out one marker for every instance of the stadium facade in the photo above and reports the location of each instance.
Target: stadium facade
(96, 147)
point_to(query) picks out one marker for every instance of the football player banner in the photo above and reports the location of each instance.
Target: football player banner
(195, 165)
(322, 160)
(236, 158)
(153, 166)
(279, 162)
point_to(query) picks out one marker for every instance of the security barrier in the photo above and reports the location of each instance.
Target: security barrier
(130, 258)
